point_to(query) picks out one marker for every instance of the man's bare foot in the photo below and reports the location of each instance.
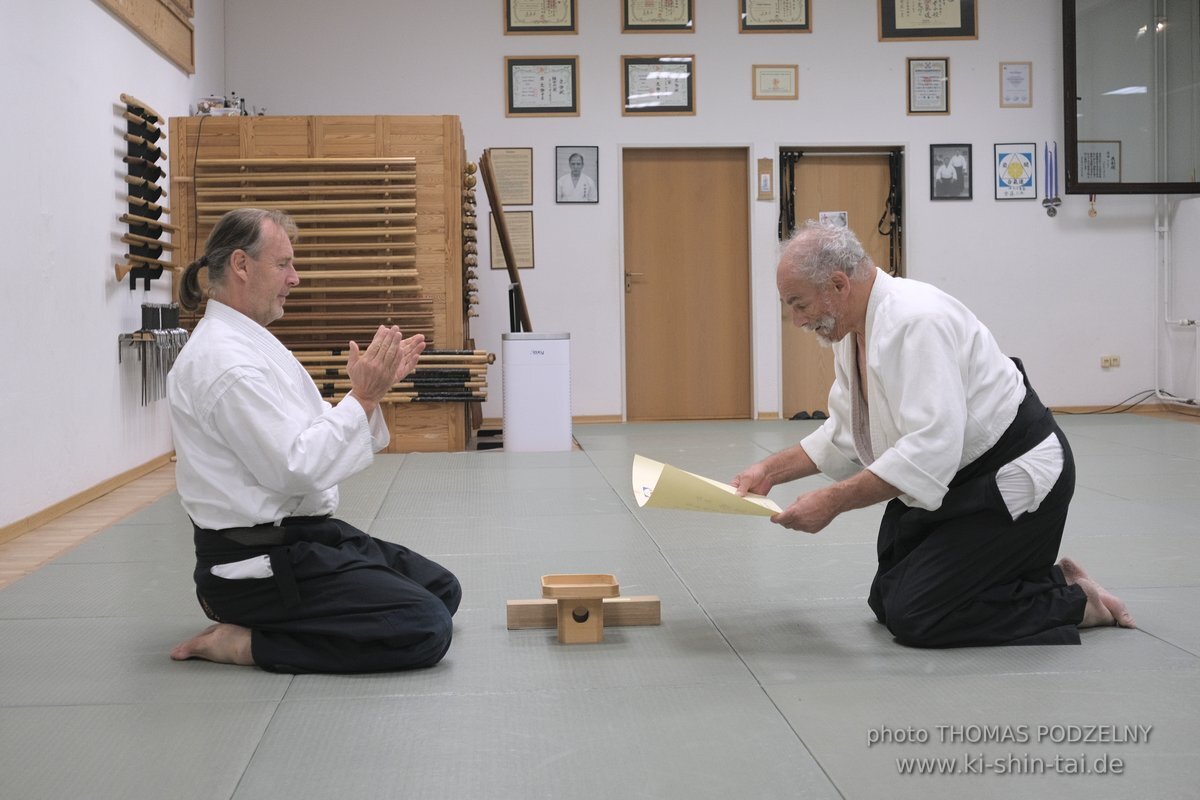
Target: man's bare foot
(1103, 607)
(222, 643)
(1072, 571)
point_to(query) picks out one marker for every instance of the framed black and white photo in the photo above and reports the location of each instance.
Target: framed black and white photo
(541, 86)
(577, 174)
(1016, 171)
(658, 85)
(539, 16)
(909, 20)
(950, 172)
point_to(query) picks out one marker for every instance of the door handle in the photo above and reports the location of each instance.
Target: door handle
(629, 276)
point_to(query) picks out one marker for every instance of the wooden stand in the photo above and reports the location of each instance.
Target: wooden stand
(580, 606)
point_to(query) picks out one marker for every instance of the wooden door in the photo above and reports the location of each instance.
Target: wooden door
(857, 185)
(687, 283)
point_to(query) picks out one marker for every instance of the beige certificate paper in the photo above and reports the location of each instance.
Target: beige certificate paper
(917, 14)
(658, 485)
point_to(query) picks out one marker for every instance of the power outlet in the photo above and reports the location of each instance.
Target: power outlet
(1108, 362)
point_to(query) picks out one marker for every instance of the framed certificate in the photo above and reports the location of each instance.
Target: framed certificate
(513, 169)
(950, 172)
(1015, 171)
(657, 16)
(539, 16)
(928, 86)
(774, 16)
(540, 86)
(659, 85)
(1099, 162)
(1016, 84)
(520, 235)
(908, 20)
(775, 81)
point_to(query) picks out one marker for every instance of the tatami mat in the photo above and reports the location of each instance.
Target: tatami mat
(765, 679)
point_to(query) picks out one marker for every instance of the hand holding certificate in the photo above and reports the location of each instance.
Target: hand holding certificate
(658, 485)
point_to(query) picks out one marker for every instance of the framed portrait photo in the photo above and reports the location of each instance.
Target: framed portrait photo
(577, 174)
(950, 172)
(1015, 171)
(775, 16)
(658, 85)
(657, 16)
(541, 86)
(912, 20)
(539, 16)
(928, 86)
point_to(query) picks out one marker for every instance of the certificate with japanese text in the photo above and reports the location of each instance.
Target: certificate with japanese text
(658, 485)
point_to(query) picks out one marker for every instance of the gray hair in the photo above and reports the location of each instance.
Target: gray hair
(240, 229)
(820, 249)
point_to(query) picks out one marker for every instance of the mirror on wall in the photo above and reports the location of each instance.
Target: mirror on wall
(1131, 91)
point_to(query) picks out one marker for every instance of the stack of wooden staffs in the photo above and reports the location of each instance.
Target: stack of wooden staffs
(357, 249)
(440, 376)
(146, 250)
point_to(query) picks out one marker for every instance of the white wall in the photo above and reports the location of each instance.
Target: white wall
(72, 417)
(1057, 292)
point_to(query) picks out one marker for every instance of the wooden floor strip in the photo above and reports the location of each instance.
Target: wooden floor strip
(27, 552)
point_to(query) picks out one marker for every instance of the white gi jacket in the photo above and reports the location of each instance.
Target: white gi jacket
(939, 392)
(255, 440)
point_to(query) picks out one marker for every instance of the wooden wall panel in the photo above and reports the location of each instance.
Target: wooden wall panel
(166, 26)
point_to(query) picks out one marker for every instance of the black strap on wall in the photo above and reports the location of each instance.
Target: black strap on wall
(787, 193)
(893, 217)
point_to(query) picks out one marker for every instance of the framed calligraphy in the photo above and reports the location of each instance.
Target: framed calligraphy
(657, 16)
(909, 20)
(539, 16)
(659, 85)
(775, 16)
(541, 86)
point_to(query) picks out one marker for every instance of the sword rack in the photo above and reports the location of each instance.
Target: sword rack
(157, 344)
(385, 207)
(145, 260)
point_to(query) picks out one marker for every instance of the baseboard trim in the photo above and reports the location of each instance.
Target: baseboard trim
(586, 420)
(46, 515)
(1159, 409)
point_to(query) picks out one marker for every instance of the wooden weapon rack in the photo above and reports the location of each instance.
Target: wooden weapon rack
(385, 208)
